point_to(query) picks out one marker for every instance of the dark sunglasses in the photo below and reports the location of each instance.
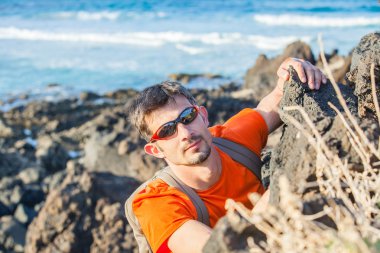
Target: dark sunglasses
(169, 128)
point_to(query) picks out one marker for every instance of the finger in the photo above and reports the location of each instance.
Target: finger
(318, 79)
(300, 71)
(283, 74)
(310, 78)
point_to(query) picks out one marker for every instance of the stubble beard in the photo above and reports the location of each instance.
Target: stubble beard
(200, 156)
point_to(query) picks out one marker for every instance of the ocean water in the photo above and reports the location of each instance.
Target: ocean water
(103, 45)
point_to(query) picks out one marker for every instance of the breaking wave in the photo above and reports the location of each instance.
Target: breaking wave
(315, 21)
(154, 39)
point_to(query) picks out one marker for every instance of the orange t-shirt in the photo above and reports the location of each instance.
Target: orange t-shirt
(162, 209)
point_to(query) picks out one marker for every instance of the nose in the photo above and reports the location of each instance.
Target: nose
(184, 132)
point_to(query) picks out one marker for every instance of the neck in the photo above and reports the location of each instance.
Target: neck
(200, 176)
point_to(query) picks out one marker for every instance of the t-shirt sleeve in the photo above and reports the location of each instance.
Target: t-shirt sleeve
(161, 210)
(247, 127)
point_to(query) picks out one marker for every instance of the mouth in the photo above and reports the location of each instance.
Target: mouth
(193, 145)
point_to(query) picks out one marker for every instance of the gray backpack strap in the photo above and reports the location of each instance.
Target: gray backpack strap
(171, 179)
(240, 154)
(142, 242)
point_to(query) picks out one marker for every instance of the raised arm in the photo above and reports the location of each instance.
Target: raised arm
(269, 105)
(189, 238)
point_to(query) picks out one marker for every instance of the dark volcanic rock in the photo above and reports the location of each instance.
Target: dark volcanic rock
(88, 96)
(24, 214)
(12, 235)
(109, 136)
(186, 78)
(293, 145)
(11, 163)
(359, 77)
(122, 95)
(32, 195)
(31, 175)
(52, 116)
(51, 154)
(4, 210)
(112, 235)
(84, 214)
(231, 235)
(11, 192)
(5, 130)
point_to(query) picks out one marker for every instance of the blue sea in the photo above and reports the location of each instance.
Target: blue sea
(103, 45)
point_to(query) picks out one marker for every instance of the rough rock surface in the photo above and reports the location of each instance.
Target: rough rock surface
(366, 53)
(51, 154)
(11, 163)
(12, 235)
(294, 145)
(229, 229)
(185, 78)
(114, 146)
(83, 214)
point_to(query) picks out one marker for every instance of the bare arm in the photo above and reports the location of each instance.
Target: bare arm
(268, 108)
(190, 237)
(269, 105)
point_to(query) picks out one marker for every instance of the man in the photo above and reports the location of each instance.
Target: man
(176, 129)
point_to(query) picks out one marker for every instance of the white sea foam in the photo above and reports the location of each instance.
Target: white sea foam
(275, 43)
(81, 63)
(152, 39)
(36, 35)
(190, 50)
(315, 21)
(89, 16)
(161, 14)
(106, 15)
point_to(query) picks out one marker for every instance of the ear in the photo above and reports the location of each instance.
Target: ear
(152, 149)
(204, 114)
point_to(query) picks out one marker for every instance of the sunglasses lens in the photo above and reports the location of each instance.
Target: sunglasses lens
(167, 130)
(188, 115)
(170, 128)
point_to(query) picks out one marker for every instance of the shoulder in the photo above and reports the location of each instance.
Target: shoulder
(247, 127)
(157, 192)
(161, 210)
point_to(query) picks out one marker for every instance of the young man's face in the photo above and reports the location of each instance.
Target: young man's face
(191, 144)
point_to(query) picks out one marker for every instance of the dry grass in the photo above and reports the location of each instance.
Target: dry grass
(356, 216)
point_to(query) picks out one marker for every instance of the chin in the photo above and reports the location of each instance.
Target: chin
(200, 157)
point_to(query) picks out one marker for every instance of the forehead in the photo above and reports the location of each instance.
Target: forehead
(168, 112)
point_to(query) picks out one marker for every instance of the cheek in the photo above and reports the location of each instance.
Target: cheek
(169, 147)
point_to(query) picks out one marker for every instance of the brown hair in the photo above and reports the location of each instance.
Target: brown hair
(151, 99)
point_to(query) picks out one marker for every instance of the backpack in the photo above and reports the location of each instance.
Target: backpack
(236, 151)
